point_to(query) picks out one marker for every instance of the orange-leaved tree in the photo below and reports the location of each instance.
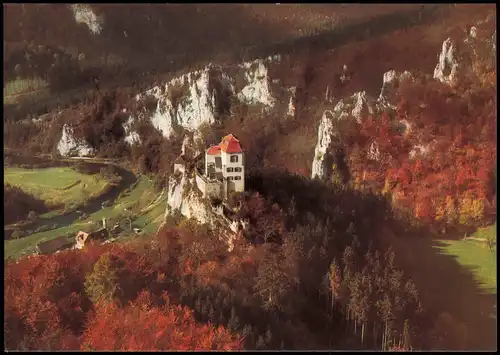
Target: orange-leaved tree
(145, 324)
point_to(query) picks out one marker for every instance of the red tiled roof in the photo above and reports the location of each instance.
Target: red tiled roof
(214, 150)
(230, 144)
(228, 137)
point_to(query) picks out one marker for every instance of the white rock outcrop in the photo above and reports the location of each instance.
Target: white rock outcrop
(182, 198)
(328, 95)
(357, 106)
(391, 82)
(83, 13)
(473, 32)
(345, 76)
(258, 90)
(373, 151)
(194, 102)
(131, 137)
(292, 102)
(326, 134)
(447, 67)
(192, 99)
(70, 146)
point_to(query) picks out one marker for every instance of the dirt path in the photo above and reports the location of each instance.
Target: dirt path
(447, 286)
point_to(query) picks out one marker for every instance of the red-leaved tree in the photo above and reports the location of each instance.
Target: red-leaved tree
(144, 325)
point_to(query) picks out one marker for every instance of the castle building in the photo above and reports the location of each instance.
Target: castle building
(224, 170)
(225, 162)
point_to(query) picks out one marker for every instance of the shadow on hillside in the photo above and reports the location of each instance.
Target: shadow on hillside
(447, 286)
(260, 43)
(443, 283)
(356, 31)
(152, 40)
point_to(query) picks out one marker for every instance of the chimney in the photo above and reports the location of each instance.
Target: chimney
(104, 223)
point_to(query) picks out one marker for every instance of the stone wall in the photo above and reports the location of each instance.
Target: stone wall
(210, 188)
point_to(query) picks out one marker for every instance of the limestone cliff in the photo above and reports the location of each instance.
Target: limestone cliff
(70, 146)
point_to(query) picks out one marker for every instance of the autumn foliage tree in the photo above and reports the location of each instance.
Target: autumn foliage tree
(92, 299)
(44, 303)
(444, 157)
(102, 284)
(267, 220)
(145, 326)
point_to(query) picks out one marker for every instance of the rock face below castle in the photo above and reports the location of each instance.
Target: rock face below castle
(188, 195)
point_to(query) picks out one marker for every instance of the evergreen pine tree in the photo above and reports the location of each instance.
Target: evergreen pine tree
(261, 343)
(406, 335)
(269, 336)
(197, 305)
(211, 314)
(234, 322)
(247, 331)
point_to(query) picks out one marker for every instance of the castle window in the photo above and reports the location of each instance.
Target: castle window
(237, 170)
(230, 170)
(234, 158)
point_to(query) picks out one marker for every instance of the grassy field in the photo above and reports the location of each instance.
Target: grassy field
(21, 86)
(57, 186)
(14, 90)
(143, 203)
(476, 256)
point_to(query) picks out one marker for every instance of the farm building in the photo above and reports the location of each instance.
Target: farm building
(51, 246)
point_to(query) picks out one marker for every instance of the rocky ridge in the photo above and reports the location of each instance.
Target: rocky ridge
(203, 97)
(359, 105)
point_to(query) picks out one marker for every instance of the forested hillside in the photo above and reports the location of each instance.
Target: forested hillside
(265, 295)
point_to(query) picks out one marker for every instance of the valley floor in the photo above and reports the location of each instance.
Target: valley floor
(142, 203)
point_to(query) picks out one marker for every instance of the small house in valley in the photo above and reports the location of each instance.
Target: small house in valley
(83, 237)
